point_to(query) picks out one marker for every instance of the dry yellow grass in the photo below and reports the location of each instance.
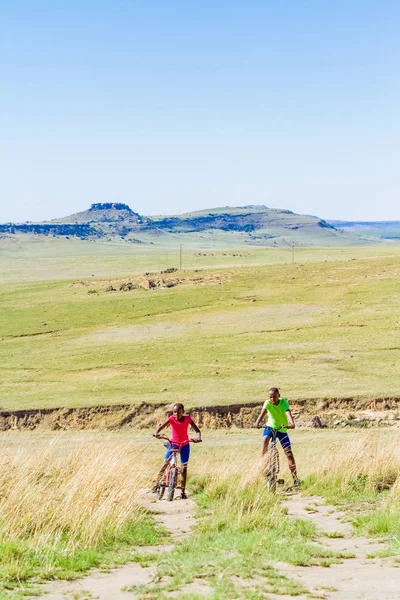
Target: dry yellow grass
(351, 460)
(339, 459)
(70, 502)
(52, 488)
(84, 484)
(69, 492)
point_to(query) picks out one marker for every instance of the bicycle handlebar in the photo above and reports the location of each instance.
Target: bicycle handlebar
(259, 426)
(164, 437)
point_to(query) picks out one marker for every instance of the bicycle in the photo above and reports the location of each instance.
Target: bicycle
(273, 466)
(170, 478)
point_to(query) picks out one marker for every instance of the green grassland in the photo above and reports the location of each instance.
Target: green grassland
(33, 258)
(240, 321)
(30, 258)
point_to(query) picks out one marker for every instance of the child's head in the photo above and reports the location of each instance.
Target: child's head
(274, 394)
(178, 409)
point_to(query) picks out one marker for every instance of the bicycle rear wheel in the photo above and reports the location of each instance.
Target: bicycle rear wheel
(173, 479)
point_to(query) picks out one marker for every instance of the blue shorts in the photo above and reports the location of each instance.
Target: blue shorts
(184, 453)
(282, 437)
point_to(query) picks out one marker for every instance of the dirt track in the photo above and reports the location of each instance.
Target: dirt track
(358, 578)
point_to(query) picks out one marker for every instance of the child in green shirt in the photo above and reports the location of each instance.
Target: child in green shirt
(281, 419)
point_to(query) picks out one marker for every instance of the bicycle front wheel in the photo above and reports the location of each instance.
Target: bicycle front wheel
(272, 470)
(173, 477)
(160, 491)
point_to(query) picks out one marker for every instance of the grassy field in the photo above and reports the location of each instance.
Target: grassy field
(34, 258)
(71, 501)
(325, 327)
(238, 322)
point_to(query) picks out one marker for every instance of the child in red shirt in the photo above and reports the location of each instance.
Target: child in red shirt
(179, 423)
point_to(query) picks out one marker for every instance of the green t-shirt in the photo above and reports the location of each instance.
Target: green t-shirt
(277, 414)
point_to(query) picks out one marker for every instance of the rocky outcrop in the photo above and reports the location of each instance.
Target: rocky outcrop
(111, 205)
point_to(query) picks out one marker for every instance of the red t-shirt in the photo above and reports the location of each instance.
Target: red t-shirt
(180, 429)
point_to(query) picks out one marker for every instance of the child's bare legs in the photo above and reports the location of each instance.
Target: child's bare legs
(264, 445)
(183, 479)
(291, 463)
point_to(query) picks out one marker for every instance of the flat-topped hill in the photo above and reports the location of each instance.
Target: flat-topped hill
(107, 212)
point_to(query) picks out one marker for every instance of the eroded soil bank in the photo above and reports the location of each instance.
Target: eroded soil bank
(336, 412)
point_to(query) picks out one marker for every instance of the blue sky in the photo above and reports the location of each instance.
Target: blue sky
(176, 106)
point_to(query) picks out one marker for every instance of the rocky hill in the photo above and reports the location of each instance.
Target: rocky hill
(253, 224)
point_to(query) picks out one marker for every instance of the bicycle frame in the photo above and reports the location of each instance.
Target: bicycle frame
(171, 476)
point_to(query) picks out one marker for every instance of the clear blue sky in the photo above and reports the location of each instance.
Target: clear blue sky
(176, 106)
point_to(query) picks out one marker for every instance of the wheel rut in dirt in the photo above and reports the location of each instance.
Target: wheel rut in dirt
(358, 578)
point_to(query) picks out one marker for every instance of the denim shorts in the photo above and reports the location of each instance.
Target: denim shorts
(184, 453)
(282, 437)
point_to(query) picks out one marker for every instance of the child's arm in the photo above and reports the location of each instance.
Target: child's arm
(260, 417)
(292, 424)
(160, 428)
(197, 430)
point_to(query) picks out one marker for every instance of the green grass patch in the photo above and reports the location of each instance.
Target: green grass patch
(382, 523)
(334, 534)
(25, 562)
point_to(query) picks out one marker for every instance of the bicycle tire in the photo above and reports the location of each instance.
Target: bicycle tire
(160, 491)
(173, 475)
(273, 466)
